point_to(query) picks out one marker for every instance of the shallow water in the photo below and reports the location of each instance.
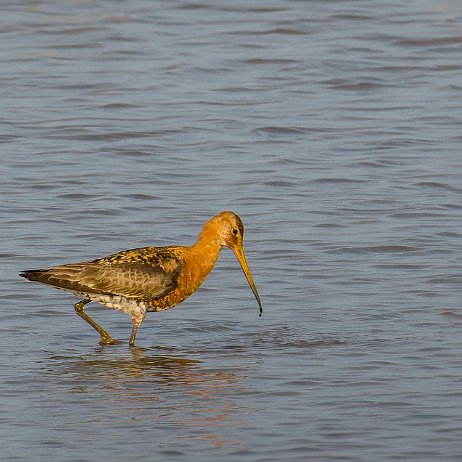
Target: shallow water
(333, 129)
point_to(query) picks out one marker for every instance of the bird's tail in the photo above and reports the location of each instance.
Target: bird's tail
(35, 275)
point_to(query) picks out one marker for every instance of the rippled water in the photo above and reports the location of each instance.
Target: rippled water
(334, 129)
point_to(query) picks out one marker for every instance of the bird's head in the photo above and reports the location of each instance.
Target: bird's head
(228, 230)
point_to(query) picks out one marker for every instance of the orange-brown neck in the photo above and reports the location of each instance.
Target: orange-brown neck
(205, 252)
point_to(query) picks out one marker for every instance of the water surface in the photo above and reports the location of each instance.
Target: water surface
(333, 129)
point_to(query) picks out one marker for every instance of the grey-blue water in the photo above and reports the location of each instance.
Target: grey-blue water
(333, 128)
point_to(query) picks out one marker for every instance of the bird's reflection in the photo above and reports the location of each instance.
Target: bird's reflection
(155, 387)
(138, 364)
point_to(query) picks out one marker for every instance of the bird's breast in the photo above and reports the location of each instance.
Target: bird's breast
(195, 267)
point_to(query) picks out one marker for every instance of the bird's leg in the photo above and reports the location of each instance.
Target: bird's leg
(105, 339)
(137, 319)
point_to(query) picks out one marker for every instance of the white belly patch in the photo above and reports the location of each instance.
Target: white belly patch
(116, 302)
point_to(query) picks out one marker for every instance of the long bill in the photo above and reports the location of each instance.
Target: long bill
(238, 250)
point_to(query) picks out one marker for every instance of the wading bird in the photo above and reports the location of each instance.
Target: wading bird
(150, 278)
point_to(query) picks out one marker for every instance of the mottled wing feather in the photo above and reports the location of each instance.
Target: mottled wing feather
(128, 279)
(142, 274)
(132, 280)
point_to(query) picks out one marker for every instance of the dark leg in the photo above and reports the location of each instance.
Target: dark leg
(133, 336)
(137, 319)
(105, 339)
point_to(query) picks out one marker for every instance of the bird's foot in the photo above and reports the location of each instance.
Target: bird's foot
(107, 340)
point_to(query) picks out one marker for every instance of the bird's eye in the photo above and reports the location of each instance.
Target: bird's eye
(235, 231)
